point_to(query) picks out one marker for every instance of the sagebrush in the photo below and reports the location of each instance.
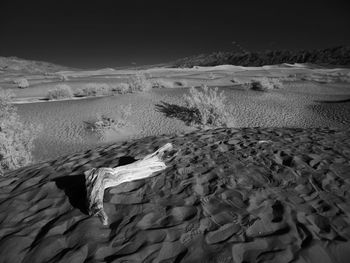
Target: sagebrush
(102, 89)
(16, 137)
(210, 107)
(103, 123)
(139, 82)
(166, 83)
(62, 91)
(21, 83)
(263, 84)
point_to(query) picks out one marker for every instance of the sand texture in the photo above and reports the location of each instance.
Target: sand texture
(229, 195)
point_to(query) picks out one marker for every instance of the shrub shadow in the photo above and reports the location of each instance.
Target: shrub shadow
(185, 114)
(333, 101)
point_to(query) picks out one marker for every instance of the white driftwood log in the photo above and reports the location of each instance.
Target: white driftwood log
(98, 179)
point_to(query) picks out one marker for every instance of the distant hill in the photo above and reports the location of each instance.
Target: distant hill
(330, 56)
(14, 64)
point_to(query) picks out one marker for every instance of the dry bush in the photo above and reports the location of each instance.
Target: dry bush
(290, 77)
(209, 106)
(63, 77)
(211, 75)
(60, 92)
(103, 89)
(94, 89)
(16, 137)
(21, 83)
(103, 123)
(263, 84)
(139, 82)
(162, 83)
(276, 83)
(167, 84)
(120, 88)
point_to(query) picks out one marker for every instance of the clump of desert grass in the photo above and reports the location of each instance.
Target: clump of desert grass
(61, 91)
(120, 88)
(93, 90)
(291, 77)
(105, 122)
(103, 89)
(63, 77)
(16, 137)
(21, 83)
(139, 82)
(166, 83)
(209, 107)
(263, 84)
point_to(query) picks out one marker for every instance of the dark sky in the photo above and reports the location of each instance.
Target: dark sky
(118, 33)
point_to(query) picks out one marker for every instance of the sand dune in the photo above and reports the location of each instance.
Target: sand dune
(230, 195)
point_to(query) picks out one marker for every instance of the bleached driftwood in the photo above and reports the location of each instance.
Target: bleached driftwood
(98, 179)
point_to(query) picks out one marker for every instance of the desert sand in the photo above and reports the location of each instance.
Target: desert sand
(302, 102)
(229, 195)
(274, 187)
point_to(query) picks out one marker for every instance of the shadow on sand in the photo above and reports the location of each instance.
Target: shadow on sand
(182, 113)
(333, 101)
(75, 188)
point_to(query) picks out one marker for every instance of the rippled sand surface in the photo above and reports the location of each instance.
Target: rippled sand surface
(229, 195)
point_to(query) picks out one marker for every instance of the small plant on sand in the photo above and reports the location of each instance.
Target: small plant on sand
(276, 83)
(16, 137)
(161, 83)
(290, 77)
(211, 75)
(60, 92)
(104, 123)
(63, 77)
(94, 89)
(139, 82)
(121, 88)
(21, 83)
(209, 107)
(263, 84)
(166, 83)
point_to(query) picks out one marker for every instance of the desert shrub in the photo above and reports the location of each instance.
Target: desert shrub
(166, 83)
(94, 89)
(103, 123)
(102, 89)
(16, 137)
(211, 75)
(276, 83)
(21, 83)
(60, 92)
(291, 77)
(162, 83)
(63, 77)
(139, 82)
(263, 84)
(121, 88)
(209, 107)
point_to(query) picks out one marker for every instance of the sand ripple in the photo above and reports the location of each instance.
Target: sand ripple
(230, 195)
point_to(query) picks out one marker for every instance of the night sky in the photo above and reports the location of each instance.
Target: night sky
(123, 33)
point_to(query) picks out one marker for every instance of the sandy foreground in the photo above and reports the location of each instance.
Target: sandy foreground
(229, 195)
